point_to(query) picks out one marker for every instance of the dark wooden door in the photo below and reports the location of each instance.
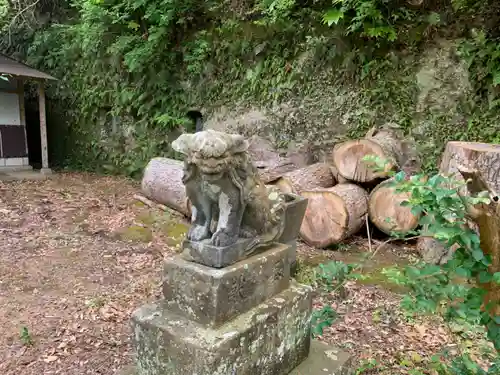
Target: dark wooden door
(13, 141)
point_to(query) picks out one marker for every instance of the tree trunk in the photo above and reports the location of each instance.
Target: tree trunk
(311, 177)
(487, 218)
(385, 203)
(348, 156)
(484, 158)
(333, 214)
(162, 183)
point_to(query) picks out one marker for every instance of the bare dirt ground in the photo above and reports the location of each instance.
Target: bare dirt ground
(78, 254)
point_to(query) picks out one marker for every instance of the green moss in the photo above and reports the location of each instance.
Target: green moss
(136, 233)
(175, 232)
(147, 218)
(175, 229)
(315, 260)
(375, 276)
(305, 274)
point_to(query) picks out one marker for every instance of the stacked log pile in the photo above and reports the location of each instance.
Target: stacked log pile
(338, 192)
(343, 194)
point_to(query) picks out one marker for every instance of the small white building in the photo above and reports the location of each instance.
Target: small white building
(13, 141)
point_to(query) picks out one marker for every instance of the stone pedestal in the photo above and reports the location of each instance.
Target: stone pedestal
(245, 319)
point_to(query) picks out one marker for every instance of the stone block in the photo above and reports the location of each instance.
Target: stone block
(216, 256)
(270, 339)
(212, 296)
(323, 359)
(295, 209)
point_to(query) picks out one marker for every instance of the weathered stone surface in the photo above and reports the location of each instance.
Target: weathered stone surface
(215, 256)
(213, 296)
(295, 208)
(323, 359)
(229, 200)
(293, 257)
(271, 339)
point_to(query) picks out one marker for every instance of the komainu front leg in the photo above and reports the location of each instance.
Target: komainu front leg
(198, 232)
(201, 219)
(230, 216)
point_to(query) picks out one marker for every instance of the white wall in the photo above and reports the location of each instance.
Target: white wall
(10, 113)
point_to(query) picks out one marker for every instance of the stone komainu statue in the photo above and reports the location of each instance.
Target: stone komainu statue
(229, 200)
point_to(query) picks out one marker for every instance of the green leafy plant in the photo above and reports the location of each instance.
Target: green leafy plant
(444, 217)
(482, 55)
(322, 319)
(25, 337)
(366, 366)
(376, 19)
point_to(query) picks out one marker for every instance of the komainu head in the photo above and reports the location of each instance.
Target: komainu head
(210, 150)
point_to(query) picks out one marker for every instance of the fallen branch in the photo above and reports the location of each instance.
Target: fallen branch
(150, 203)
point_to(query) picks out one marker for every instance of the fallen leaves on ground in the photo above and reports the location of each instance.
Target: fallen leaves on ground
(68, 277)
(78, 254)
(372, 326)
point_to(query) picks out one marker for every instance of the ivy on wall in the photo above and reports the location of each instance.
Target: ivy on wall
(129, 70)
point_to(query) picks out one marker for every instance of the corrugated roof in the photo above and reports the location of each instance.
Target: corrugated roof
(15, 68)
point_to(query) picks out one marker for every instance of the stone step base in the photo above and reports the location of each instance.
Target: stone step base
(270, 339)
(323, 359)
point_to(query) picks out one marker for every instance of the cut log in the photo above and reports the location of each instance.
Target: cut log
(312, 177)
(269, 172)
(385, 203)
(484, 158)
(338, 177)
(162, 183)
(333, 214)
(385, 143)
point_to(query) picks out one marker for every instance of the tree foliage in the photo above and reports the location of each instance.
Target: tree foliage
(130, 69)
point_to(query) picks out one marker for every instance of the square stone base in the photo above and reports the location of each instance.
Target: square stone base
(271, 339)
(211, 296)
(323, 359)
(215, 256)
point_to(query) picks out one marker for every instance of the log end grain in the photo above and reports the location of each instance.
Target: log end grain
(384, 203)
(348, 160)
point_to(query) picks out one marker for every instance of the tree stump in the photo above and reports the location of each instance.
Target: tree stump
(162, 183)
(312, 177)
(487, 218)
(333, 214)
(384, 143)
(484, 158)
(384, 203)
